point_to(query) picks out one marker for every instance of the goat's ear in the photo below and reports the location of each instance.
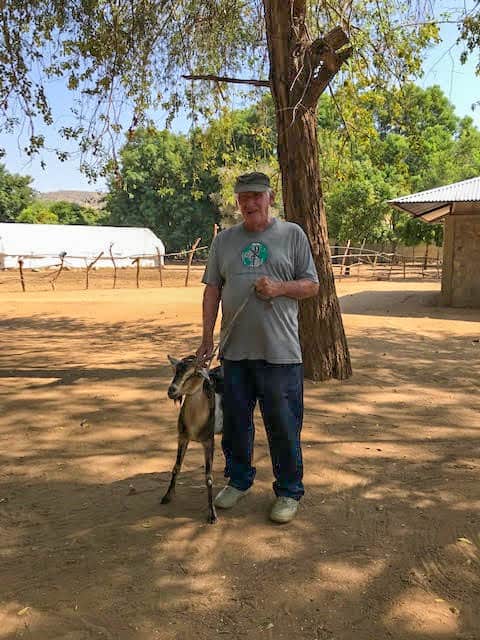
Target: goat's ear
(173, 361)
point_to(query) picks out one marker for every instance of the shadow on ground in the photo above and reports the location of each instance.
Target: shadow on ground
(387, 544)
(404, 303)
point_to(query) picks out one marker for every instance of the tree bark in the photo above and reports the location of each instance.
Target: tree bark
(299, 71)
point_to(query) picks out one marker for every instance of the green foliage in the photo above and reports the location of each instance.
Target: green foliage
(159, 186)
(73, 213)
(357, 207)
(382, 145)
(237, 142)
(60, 212)
(388, 144)
(411, 231)
(38, 213)
(15, 194)
(118, 59)
(470, 34)
(123, 60)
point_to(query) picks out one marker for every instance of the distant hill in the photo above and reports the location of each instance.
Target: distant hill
(93, 199)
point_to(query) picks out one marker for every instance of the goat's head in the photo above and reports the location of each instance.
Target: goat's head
(188, 376)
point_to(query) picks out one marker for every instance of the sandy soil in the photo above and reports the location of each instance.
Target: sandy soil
(387, 541)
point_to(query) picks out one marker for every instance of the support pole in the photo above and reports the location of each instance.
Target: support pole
(392, 257)
(89, 266)
(190, 258)
(160, 267)
(375, 264)
(114, 267)
(347, 248)
(137, 262)
(20, 268)
(60, 269)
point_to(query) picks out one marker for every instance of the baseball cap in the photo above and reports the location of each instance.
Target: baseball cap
(254, 181)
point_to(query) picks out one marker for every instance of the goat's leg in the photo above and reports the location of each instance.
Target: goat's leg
(208, 448)
(182, 448)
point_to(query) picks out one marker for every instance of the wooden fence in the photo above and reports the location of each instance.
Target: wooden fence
(347, 261)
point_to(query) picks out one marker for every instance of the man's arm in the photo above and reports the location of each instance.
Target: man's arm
(298, 289)
(211, 301)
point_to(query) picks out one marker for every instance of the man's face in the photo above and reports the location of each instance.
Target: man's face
(254, 207)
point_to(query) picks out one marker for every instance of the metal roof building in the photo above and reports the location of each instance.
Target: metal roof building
(458, 205)
(435, 204)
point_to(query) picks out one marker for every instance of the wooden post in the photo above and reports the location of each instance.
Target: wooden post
(89, 266)
(114, 267)
(391, 265)
(425, 260)
(375, 264)
(347, 248)
(20, 267)
(137, 262)
(57, 273)
(190, 258)
(360, 259)
(160, 267)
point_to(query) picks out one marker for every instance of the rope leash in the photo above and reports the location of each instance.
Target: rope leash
(223, 341)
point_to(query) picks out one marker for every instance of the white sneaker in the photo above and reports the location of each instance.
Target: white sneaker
(228, 497)
(284, 509)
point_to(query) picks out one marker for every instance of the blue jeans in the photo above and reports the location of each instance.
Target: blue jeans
(279, 389)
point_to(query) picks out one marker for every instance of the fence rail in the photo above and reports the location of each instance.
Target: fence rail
(347, 261)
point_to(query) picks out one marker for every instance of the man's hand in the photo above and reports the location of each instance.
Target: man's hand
(267, 288)
(205, 350)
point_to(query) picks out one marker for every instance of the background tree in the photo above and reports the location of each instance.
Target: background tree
(38, 213)
(15, 194)
(161, 185)
(399, 141)
(73, 213)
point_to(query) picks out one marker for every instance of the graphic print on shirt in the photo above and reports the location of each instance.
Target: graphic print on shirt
(255, 254)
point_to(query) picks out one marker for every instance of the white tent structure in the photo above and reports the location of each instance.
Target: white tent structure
(40, 245)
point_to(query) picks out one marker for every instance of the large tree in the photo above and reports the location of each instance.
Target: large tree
(114, 51)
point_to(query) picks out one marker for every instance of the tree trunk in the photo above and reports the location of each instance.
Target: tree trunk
(299, 72)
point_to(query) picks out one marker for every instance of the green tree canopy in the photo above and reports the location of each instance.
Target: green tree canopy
(121, 61)
(399, 141)
(38, 213)
(73, 213)
(379, 145)
(160, 185)
(15, 194)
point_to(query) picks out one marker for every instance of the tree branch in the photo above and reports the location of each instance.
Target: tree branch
(323, 58)
(256, 83)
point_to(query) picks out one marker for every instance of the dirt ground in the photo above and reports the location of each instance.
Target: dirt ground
(387, 540)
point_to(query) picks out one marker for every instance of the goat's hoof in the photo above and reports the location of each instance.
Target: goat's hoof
(212, 519)
(166, 499)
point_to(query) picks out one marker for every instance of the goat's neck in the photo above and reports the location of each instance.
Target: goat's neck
(197, 396)
(196, 408)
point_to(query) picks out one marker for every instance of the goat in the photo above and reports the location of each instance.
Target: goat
(200, 417)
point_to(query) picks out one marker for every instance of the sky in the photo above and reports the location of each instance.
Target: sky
(442, 66)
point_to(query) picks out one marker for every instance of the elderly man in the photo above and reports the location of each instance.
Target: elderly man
(259, 269)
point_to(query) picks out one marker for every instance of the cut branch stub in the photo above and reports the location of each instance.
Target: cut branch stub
(322, 60)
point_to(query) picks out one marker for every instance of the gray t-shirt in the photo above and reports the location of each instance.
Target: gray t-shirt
(263, 330)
